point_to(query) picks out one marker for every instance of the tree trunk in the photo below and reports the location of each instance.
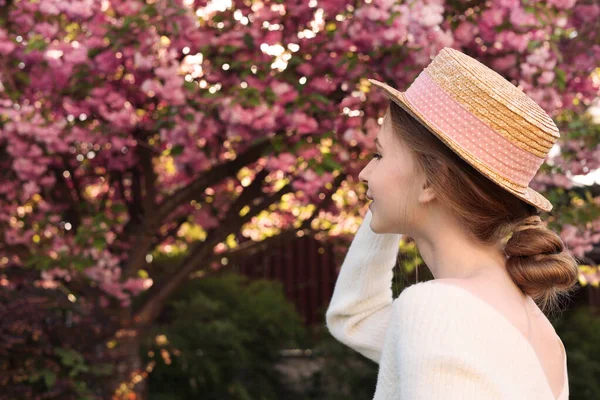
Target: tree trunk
(128, 381)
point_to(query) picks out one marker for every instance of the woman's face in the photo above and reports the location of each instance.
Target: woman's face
(392, 183)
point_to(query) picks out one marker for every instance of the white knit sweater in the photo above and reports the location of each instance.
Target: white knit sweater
(434, 341)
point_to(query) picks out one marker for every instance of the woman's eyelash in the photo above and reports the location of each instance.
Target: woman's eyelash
(376, 155)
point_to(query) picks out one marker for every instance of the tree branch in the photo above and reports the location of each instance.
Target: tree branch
(158, 238)
(145, 155)
(136, 195)
(74, 179)
(594, 191)
(62, 192)
(146, 231)
(158, 294)
(249, 194)
(232, 223)
(250, 248)
(133, 214)
(212, 177)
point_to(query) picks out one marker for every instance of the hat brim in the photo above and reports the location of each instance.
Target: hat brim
(530, 196)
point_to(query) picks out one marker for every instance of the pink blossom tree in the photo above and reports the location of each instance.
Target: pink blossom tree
(131, 130)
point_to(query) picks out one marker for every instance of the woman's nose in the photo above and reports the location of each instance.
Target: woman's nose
(362, 176)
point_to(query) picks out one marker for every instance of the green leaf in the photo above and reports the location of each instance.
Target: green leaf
(48, 376)
(560, 78)
(248, 41)
(77, 369)
(270, 95)
(532, 45)
(38, 42)
(175, 27)
(99, 243)
(277, 143)
(69, 357)
(82, 390)
(228, 49)
(320, 97)
(149, 10)
(23, 77)
(127, 21)
(330, 164)
(391, 19)
(102, 369)
(176, 150)
(190, 86)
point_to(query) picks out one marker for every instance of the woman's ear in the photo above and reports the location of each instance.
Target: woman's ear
(426, 194)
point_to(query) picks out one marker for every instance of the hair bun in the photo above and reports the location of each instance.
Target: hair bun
(531, 222)
(539, 263)
(532, 238)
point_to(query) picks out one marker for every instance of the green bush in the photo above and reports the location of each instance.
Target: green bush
(578, 329)
(346, 374)
(48, 345)
(219, 338)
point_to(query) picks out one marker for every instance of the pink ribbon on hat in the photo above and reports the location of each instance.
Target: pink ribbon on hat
(470, 133)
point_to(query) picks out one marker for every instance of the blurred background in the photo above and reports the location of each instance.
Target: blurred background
(178, 183)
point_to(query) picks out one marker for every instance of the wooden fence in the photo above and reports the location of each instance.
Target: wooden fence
(305, 267)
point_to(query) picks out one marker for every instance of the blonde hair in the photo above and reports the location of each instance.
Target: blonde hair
(538, 261)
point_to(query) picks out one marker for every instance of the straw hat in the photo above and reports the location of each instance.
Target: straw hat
(483, 118)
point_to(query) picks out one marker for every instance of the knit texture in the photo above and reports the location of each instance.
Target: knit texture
(435, 340)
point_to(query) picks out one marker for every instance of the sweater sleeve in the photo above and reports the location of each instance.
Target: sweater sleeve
(359, 311)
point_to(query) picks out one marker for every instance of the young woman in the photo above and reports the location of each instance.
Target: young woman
(455, 155)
